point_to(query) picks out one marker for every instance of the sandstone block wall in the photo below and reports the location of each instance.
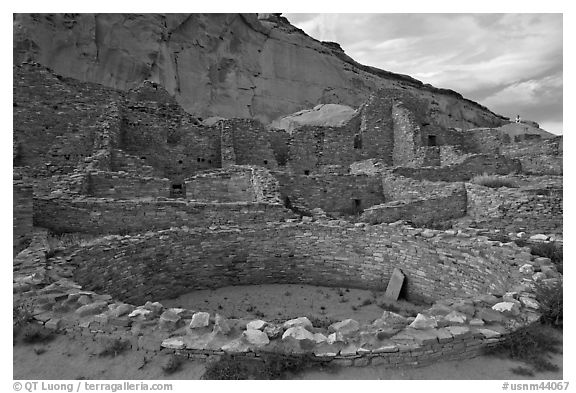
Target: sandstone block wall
(435, 207)
(170, 263)
(221, 186)
(21, 215)
(538, 157)
(106, 216)
(125, 186)
(396, 187)
(512, 209)
(346, 194)
(472, 166)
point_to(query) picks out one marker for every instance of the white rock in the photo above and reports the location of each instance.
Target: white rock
(539, 237)
(199, 320)
(527, 269)
(298, 333)
(346, 326)
(257, 324)
(319, 338)
(139, 312)
(423, 322)
(539, 276)
(256, 337)
(506, 307)
(173, 343)
(302, 321)
(456, 317)
(335, 337)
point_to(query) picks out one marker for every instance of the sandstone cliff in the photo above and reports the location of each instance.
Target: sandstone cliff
(231, 65)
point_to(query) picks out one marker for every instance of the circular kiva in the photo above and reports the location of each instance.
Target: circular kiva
(481, 291)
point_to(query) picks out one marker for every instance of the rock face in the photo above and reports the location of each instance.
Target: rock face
(231, 65)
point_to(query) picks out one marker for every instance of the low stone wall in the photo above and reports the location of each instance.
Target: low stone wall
(21, 215)
(336, 193)
(120, 185)
(107, 216)
(539, 207)
(435, 207)
(538, 157)
(170, 263)
(221, 186)
(470, 167)
(400, 188)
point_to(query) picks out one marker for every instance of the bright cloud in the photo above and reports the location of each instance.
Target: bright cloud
(511, 63)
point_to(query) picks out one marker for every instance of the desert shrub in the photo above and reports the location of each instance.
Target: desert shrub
(33, 334)
(114, 347)
(532, 345)
(21, 313)
(367, 302)
(524, 371)
(493, 181)
(550, 250)
(550, 298)
(271, 367)
(172, 364)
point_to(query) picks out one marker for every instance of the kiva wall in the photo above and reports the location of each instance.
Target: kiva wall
(170, 263)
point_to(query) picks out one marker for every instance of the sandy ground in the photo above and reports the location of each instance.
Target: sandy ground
(286, 301)
(63, 358)
(66, 359)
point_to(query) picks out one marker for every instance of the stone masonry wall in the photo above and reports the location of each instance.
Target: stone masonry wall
(539, 207)
(251, 144)
(537, 157)
(346, 194)
(170, 263)
(21, 215)
(221, 186)
(396, 187)
(472, 166)
(407, 136)
(435, 207)
(106, 216)
(125, 186)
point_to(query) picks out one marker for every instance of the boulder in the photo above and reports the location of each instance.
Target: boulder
(302, 321)
(298, 333)
(423, 322)
(121, 309)
(255, 337)
(92, 308)
(200, 320)
(345, 327)
(527, 269)
(168, 320)
(257, 324)
(509, 308)
(455, 317)
(174, 343)
(539, 237)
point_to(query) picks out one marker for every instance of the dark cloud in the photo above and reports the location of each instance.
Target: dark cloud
(511, 63)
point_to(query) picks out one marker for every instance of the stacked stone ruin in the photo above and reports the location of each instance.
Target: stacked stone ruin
(179, 206)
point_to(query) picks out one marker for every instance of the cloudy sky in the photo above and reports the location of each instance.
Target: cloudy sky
(511, 63)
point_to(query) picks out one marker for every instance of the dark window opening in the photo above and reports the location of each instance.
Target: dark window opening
(357, 141)
(178, 190)
(179, 161)
(432, 140)
(265, 162)
(202, 160)
(356, 206)
(198, 159)
(142, 158)
(209, 161)
(306, 172)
